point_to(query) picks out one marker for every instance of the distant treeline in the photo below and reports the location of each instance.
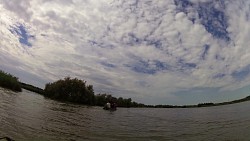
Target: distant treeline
(201, 104)
(31, 88)
(10, 82)
(77, 91)
(101, 99)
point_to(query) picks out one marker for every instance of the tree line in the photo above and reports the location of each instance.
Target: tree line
(77, 91)
(101, 99)
(67, 89)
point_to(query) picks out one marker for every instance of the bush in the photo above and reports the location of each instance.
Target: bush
(9, 82)
(72, 90)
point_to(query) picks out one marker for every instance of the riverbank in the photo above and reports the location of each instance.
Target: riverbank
(203, 104)
(77, 91)
(101, 99)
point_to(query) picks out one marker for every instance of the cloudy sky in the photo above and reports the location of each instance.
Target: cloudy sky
(154, 51)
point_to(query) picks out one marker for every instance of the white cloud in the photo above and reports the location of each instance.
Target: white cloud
(109, 42)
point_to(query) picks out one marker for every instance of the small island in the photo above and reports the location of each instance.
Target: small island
(77, 91)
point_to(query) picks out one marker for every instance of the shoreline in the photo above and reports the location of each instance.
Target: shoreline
(200, 105)
(12, 83)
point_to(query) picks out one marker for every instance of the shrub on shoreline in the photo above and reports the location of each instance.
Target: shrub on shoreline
(72, 90)
(9, 81)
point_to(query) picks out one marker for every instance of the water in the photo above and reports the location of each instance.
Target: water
(29, 116)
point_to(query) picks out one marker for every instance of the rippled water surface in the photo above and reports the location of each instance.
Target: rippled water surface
(29, 116)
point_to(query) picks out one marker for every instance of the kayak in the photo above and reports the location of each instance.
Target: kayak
(110, 109)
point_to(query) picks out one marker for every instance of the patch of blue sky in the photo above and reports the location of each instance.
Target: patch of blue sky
(109, 65)
(23, 34)
(134, 40)
(184, 66)
(182, 5)
(148, 67)
(154, 66)
(101, 44)
(219, 58)
(205, 52)
(242, 73)
(247, 16)
(219, 76)
(213, 19)
(156, 43)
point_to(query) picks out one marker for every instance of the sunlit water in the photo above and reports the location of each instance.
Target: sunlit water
(29, 116)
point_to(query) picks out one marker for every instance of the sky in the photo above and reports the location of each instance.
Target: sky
(153, 51)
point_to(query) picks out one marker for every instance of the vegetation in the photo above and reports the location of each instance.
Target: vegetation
(233, 102)
(101, 99)
(77, 91)
(200, 104)
(72, 90)
(32, 88)
(205, 104)
(9, 82)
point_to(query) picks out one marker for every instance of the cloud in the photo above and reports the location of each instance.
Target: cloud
(139, 49)
(20, 8)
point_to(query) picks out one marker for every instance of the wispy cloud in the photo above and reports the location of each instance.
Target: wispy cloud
(133, 48)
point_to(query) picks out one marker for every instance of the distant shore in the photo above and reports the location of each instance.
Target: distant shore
(204, 104)
(76, 91)
(41, 91)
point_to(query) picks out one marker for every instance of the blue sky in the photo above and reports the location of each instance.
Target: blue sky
(154, 51)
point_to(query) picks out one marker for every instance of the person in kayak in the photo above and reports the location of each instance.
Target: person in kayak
(107, 106)
(110, 106)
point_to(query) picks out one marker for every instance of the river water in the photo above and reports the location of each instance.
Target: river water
(29, 116)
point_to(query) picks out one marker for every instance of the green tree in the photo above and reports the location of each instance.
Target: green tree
(72, 90)
(9, 81)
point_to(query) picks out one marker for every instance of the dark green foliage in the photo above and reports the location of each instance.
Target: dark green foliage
(72, 90)
(163, 106)
(101, 99)
(32, 88)
(205, 104)
(76, 91)
(200, 104)
(9, 82)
